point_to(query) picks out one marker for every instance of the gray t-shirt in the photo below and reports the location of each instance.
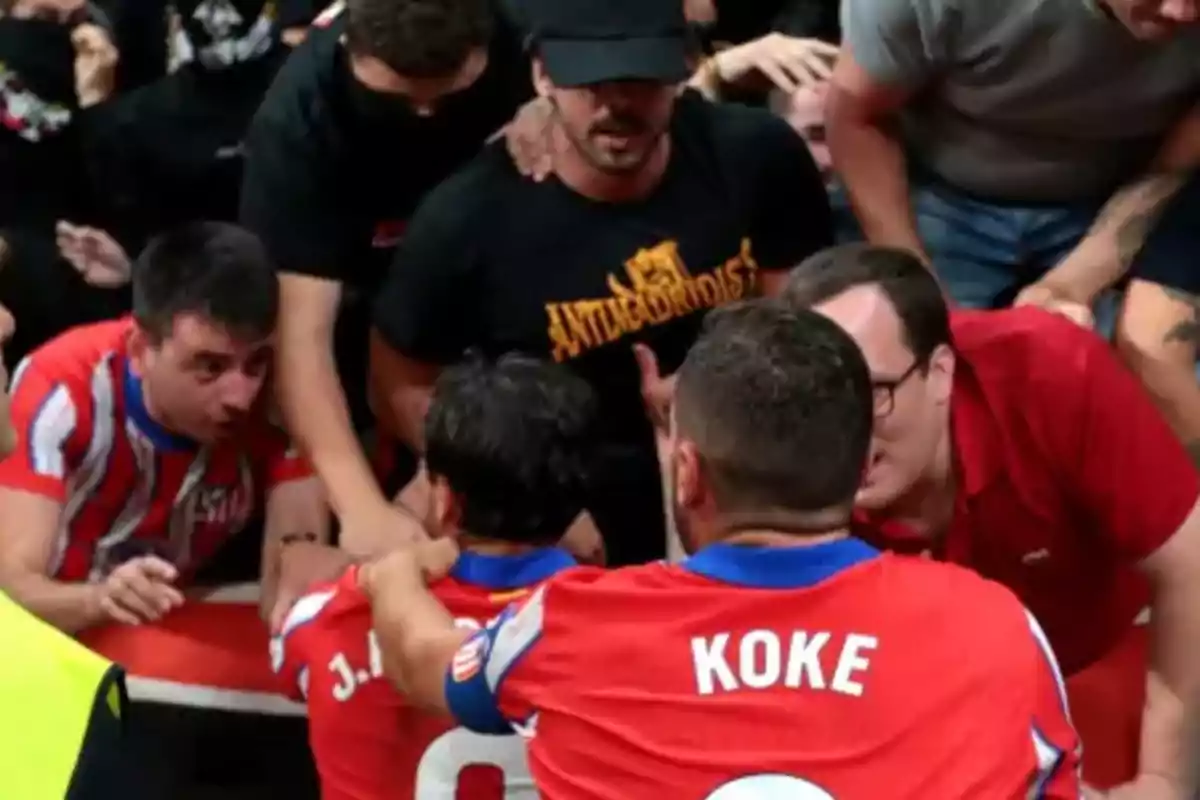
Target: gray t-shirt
(1025, 100)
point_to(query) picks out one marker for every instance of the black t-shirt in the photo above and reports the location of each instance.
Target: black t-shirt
(498, 263)
(330, 191)
(172, 152)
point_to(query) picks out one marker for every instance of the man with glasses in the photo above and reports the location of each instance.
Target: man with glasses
(1015, 443)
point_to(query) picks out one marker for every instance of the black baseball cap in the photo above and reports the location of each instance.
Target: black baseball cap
(582, 42)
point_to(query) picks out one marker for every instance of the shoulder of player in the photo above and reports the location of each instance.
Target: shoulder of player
(71, 358)
(956, 596)
(932, 582)
(585, 583)
(321, 602)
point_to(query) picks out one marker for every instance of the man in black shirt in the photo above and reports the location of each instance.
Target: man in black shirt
(661, 206)
(381, 103)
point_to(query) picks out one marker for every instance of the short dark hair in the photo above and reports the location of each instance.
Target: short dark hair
(216, 270)
(907, 284)
(419, 38)
(514, 440)
(779, 404)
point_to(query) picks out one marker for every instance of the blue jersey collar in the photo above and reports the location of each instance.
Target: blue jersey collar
(778, 567)
(135, 409)
(511, 571)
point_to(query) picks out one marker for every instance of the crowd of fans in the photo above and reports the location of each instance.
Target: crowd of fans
(402, 308)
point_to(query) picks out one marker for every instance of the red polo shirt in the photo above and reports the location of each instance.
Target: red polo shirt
(1067, 474)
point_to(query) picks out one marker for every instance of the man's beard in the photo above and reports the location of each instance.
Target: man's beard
(602, 160)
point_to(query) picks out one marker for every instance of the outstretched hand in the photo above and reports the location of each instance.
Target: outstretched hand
(97, 257)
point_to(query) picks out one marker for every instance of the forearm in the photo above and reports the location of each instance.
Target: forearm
(871, 165)
(400, 414)
(1158, 338)
(1177, 396)
(401, 389)
(1112, 243)
(1106, 253)
(1171, 689)
(418, 639)
(296, 514)
(70, 607)
(314, 406)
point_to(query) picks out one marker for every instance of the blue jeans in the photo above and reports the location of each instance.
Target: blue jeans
(984, 252)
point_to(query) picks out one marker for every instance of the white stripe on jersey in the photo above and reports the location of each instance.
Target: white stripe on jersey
(86, 478)
(514, 636)
(136, 506)
(1043, 644)
(305, 610)
(52, 424)
(15, 379)
(1049, 758)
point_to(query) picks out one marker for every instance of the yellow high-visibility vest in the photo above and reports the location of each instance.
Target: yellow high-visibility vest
(61, 708)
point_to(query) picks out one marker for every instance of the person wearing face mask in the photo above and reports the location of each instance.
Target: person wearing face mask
(659, 207)
(383, 100)
(1016, 444)
(171, 152)
(40, 159)
(56, 60)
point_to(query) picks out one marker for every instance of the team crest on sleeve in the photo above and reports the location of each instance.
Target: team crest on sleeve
(469, 658)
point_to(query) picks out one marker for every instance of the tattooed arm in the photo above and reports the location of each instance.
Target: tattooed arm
(1107, 252)
(1158, 337)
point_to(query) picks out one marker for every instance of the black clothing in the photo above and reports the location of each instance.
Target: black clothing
(498, 263)
(330, 190)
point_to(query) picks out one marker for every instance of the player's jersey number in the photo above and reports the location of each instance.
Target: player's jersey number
(769, 787)
(461, 763)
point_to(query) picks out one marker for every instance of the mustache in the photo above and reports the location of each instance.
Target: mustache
(620, 125)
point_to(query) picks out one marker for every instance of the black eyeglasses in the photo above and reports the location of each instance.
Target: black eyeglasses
(885, 390)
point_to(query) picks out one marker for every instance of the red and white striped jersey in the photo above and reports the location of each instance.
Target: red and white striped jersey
(86, 441)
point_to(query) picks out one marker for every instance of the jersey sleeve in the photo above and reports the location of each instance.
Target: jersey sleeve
(476, 684)
(1053, 738)
(290, 649)
(1115, 452)
(51, 423)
